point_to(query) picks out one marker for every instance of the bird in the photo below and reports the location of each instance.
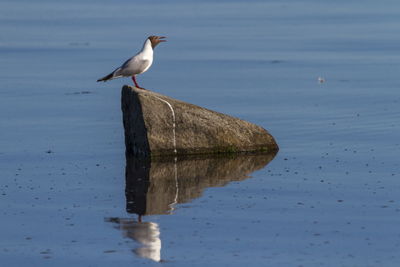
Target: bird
(137, 64)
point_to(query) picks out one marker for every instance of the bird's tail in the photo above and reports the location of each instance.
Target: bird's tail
(106, 78)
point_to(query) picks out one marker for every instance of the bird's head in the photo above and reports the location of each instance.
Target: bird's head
(155, 40)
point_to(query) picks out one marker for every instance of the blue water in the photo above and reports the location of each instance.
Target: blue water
(329, 198)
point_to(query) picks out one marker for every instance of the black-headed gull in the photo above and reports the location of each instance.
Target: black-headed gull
(137, 64)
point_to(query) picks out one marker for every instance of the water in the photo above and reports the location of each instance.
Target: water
(330, 196)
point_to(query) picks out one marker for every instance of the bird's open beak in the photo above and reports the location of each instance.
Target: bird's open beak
(160, 39)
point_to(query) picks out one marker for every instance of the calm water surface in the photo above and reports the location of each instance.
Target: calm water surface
(329, 198)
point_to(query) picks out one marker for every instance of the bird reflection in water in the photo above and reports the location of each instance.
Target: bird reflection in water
(155, 187)
(147, 234)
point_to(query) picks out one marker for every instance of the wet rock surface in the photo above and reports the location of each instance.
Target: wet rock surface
(157, 125)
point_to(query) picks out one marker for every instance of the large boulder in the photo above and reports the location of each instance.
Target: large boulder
(157, 125)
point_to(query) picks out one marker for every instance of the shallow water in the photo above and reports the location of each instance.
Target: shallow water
(330, 196)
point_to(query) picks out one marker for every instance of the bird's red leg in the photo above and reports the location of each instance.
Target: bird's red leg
(136, 84)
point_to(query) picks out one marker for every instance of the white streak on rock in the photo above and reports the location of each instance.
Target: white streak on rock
(173, 120)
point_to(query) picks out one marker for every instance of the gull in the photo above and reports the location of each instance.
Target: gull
(137, 64)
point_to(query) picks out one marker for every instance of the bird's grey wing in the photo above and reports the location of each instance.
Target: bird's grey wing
(144, 65)
(134, 66)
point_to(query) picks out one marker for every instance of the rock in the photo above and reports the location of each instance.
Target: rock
(155, 186)
(157, 125)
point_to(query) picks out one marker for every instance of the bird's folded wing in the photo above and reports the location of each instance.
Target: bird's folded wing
(134, 66)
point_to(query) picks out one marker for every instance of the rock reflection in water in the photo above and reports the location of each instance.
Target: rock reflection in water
(155, 187)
